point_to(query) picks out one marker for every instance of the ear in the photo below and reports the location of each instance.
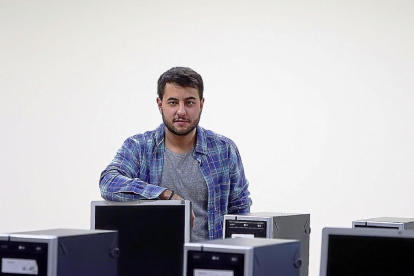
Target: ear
(159, 103)
(202, 103)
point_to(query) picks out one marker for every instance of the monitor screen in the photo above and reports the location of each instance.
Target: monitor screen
(359, 254)
(151, 238)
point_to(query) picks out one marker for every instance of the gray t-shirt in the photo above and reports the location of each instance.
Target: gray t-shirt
(181, 174)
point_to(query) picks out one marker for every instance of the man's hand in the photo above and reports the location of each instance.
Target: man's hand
(166, 195)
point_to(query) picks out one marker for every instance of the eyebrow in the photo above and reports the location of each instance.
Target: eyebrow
(186, 99)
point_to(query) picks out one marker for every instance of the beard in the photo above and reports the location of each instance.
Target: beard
(181, 132)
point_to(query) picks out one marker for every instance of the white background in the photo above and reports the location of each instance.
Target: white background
(318, 96)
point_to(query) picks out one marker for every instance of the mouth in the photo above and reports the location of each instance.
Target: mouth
(181, 121)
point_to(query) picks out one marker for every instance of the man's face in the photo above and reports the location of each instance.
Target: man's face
(180, 108)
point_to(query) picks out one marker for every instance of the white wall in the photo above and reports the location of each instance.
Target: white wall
(318, 96)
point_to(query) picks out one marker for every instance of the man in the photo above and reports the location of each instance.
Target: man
(181, 160)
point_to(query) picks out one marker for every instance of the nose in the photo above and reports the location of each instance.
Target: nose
(181, 109)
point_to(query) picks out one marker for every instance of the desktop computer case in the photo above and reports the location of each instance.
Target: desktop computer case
(272, 225)
(59, 252)
(260, 257)
(386, 223)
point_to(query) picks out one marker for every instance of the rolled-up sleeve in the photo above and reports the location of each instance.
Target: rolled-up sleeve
(127, 177)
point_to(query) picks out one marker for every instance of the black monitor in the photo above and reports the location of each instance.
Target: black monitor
(367, 252)
(152, 234)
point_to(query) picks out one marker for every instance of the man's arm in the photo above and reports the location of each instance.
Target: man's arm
(239, 200)
(120, 180)
(126, 177)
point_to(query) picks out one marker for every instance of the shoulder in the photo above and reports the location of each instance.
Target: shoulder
(146, 139)
(213, 139)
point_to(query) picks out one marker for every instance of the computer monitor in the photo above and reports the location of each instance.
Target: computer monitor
(366, 252)
(151, 234)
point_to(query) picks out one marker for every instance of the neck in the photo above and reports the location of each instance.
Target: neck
(180, 144)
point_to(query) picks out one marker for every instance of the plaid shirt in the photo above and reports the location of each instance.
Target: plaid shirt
(135, 173)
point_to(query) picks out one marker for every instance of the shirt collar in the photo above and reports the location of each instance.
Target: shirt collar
(159, 135)
(201, 143)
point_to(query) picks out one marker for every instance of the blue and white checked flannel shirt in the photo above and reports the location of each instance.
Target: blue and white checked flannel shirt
(135, 173)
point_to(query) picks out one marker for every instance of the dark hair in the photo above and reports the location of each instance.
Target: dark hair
(181, 76)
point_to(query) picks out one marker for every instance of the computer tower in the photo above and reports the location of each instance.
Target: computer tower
(243, 257)
(59, 252)
(152, 234)
(386, 223)
(272, 226)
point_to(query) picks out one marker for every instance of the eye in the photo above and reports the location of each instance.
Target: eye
(172, 103)
(190, 103)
